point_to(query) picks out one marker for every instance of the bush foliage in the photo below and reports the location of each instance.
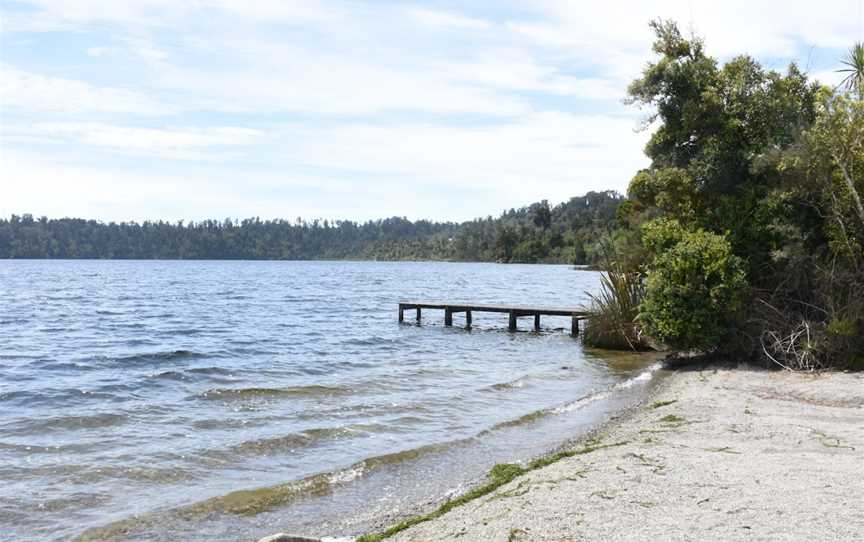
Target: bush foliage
(747, 229)
(695, 290)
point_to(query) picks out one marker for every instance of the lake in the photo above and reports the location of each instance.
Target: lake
(227, 400)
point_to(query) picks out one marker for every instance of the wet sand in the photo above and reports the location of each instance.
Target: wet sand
(716, 454)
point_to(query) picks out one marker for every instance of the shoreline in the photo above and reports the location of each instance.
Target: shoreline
(711, 452)
(653, 375)
(658, 379)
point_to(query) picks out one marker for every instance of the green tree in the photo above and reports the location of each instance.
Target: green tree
(713, 123)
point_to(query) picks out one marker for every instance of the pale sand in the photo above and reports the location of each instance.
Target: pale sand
(758, 455)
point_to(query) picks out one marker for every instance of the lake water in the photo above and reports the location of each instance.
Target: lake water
(163, 400)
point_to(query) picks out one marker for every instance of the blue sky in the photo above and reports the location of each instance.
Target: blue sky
(173, 109)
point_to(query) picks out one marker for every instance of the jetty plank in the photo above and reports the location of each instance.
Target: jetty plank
(514, 312)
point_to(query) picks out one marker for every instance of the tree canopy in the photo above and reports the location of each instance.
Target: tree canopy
(747, 226)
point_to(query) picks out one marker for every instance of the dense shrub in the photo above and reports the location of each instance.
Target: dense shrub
(694, 291)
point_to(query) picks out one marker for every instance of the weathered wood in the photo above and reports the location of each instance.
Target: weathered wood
(479, 307)
(514, 312)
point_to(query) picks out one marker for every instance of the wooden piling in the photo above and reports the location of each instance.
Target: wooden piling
(514, 312)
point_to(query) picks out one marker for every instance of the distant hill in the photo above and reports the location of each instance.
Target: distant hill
(565, 233)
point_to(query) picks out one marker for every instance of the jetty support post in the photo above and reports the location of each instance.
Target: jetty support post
(574, 326)
(467, 318)
(401, 313)
(537, 322)
(512, 324)
(418, 315)
(448, 317)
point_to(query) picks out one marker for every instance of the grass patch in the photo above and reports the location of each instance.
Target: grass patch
(672, 418)
(499, 475)
(661, 404)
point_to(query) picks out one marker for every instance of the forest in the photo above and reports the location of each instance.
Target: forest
(572, 232)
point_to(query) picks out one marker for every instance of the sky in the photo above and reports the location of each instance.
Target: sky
(191, 109)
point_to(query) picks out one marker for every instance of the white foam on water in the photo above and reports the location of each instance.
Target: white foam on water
(644, 376)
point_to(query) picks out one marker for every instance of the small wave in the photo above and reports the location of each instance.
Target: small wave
(372, 341)
(52, 397)
(71, 423)
(276, 445)
(239, 394)
(644, 376)
(186, 331)
(210, 371)
(171, 375)
(303, 439)
(30, 448)
(573, 406)
(252, 502)
(512, 385)
(153, 357)
(248, 502)
(411, 454)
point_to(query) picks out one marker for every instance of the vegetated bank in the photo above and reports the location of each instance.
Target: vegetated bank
(745, 236)
(572, 232)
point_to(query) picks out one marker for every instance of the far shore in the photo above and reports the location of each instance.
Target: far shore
(714, 454)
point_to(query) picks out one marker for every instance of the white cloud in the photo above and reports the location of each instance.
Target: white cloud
(31, 92)
(544, 155)
(58, 14)
(510, 70)
(293, 79)
(401, 108)
(60, 185)
(98, 51)
(42, 185)
(146, 139)
(355, 170)
(439, 19)
(614, 33)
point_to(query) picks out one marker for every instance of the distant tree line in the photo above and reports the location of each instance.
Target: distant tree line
(571, 232)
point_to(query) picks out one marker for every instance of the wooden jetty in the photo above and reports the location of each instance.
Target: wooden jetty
(515, 312)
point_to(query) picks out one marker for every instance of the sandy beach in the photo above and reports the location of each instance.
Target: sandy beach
(716, 454)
